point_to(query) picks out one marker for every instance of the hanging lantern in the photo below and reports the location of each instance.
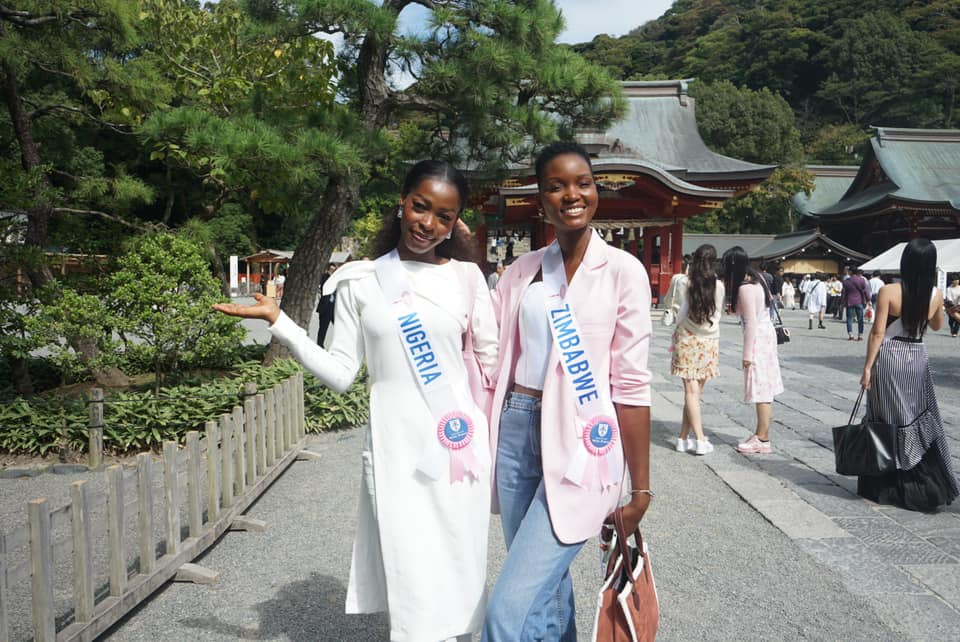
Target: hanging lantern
(609, 236)
(631, 235)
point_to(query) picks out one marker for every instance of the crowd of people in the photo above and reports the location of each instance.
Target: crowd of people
(851, 296)
(532, 400)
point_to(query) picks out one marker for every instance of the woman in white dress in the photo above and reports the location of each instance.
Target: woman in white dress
(788, 292)
(816, 300)
(421, 546)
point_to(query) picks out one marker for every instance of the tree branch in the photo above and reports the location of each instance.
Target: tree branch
(43, 111)
(398, 5)
(149, 227)
(27, 19)
(410, 102)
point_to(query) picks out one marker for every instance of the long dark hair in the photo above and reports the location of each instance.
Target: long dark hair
(461, 245)
(703, 285)
(736, 266)
(918, 274)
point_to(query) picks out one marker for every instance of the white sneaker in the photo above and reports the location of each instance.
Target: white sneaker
(683, 445)
(703, 447)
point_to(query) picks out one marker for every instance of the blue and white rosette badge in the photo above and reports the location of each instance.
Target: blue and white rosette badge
(591, 465)
(453, 446)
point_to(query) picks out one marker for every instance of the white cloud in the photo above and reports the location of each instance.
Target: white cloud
(588, 18)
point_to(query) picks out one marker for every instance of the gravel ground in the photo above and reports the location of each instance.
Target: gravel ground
(722, 571)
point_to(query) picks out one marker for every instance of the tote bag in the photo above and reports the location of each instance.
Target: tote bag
(866, 448)
(628, 609)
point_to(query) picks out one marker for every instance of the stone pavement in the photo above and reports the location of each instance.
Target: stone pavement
(772, 547)
(904, 564)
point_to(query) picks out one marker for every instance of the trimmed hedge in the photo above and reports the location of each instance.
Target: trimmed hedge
(136, 421)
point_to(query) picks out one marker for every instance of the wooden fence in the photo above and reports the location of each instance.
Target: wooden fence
(239, 455)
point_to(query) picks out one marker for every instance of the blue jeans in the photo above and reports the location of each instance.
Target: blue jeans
(533, 597)
(858, 310)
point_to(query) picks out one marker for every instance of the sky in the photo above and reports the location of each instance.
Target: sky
(588, 18)
(585, 18)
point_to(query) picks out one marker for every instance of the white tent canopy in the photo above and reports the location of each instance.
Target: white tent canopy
(948, 257)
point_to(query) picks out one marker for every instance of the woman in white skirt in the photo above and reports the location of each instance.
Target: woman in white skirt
(816, 299)
(420, 551)
(697, 306)
(761, 367)
(788, 292)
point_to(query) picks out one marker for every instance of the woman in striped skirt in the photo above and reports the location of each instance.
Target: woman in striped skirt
(900, 388)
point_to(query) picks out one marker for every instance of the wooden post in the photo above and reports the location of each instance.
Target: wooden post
(171, 496)
(116, 541)
(41, 567)
(250, 432)
(287, 413)
(148, 555)
(226, 461)
(82, 551)
(649, 239)
(239, 448)
(250, 394)
(271, 412)
(261, 435)
(194, 511)
(4, 628)
(294, 414)
(95, 429)
(301, 405)
(281, 419)
(213, 472)
(676, 247)
(295, 408)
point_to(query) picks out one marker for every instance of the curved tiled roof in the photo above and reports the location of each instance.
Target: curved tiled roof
(660, 126)
(920, 167)
(831, 182)
(767, 247)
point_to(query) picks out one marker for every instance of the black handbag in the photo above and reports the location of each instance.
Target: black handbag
(783, 335)
(867, 448)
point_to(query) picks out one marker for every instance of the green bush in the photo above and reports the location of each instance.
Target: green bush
(161, 294)
(140, 420)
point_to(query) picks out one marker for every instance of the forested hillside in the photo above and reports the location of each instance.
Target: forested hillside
(842, 65)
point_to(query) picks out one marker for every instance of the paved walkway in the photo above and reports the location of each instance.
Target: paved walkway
(773, 547)
(905, 564)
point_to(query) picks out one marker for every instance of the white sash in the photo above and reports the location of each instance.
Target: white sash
(454, 428)
(597, 423)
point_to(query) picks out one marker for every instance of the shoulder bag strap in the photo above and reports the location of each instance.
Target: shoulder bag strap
(856, 406)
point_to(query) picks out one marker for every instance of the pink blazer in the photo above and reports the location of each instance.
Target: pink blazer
(610, 294)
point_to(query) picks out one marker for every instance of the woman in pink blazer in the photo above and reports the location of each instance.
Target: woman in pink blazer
(571, 411)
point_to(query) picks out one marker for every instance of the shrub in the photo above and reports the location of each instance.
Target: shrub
(161, 297)
(143, 420)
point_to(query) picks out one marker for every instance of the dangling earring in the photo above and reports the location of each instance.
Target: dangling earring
(400, 211)
(449, 234)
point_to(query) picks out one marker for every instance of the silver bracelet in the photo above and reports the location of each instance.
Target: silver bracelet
(645, 491)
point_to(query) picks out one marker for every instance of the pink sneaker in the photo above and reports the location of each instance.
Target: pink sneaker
(755, 446)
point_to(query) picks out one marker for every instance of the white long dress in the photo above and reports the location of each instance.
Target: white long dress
(421, 546)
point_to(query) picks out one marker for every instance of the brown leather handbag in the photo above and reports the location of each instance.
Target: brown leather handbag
(627, 607)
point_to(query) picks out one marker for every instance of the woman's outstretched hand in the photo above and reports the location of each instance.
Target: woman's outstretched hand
(265, 308)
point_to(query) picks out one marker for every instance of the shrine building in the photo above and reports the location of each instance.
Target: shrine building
(907, 186)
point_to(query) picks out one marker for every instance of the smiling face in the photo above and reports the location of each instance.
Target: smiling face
(430, 211)
(567, 193)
